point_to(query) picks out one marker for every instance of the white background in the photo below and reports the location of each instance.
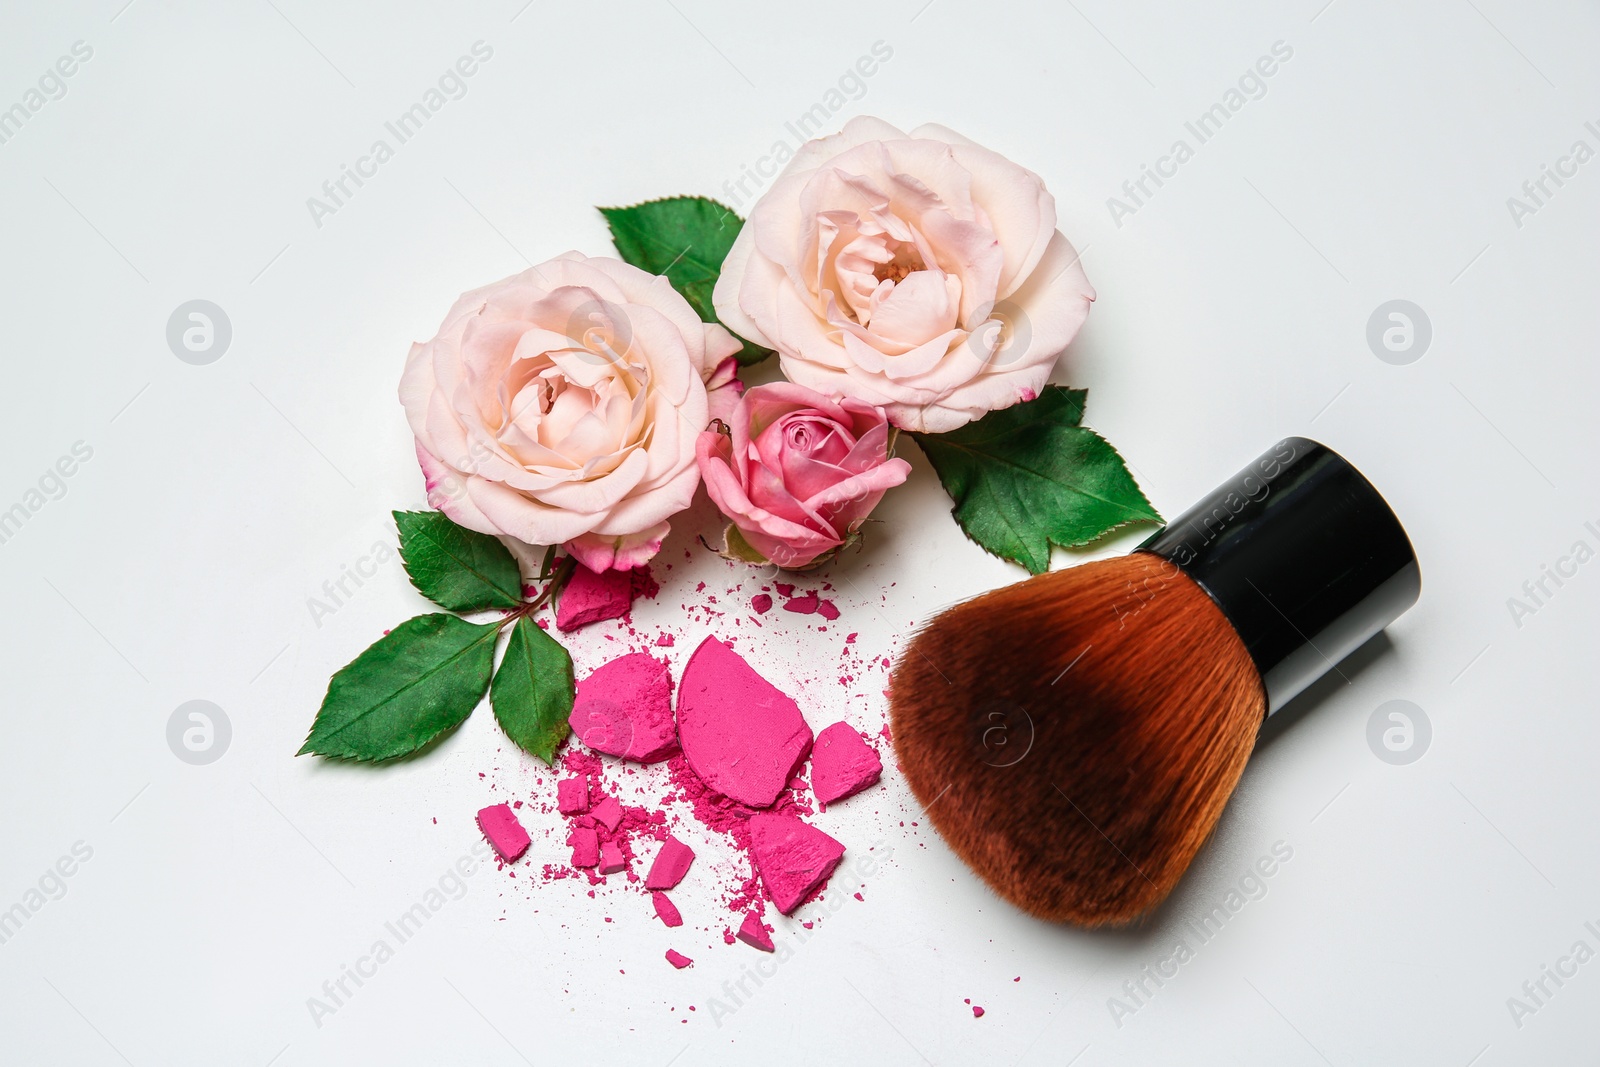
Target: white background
(1233, 309)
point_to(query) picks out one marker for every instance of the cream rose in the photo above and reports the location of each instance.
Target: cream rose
(561, 406)
(918, 272)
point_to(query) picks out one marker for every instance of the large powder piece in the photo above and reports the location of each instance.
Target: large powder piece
(499, 824)
(624, 708)
(591, 597)
(842, 764)
(743, 737)
(753, 932)
(793, 858)
(671, 864)
(585, 846)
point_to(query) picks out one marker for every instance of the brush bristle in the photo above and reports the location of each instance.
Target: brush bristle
(1074, 737)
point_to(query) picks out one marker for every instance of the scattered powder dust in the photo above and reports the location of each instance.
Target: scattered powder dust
(604, 823)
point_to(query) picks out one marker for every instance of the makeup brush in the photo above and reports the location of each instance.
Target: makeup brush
(1074, 737)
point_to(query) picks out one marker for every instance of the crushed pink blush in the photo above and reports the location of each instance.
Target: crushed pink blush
(753, 932)
(977, 1012)
(499, 824)
(678, 959)
(625, 709)
(590, 598)
(611, 860)
(585, 846)
(608, 813)
(828, 610)
(740, 734)
(761, 603)
(802, 605)
(842, 764)
(792, 857)
(572, 796)
(671, 864)
(666, 910)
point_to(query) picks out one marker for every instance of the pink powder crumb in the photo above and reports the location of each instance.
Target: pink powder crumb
(827, 610)
(644, 583)
(611, 860)
(792, 857)
(670, 865)
(741, 735)
(608, 813)
(665, 641)
(624, 708)
(753, 932)
(842, 764)
(977, 1012)
(761, 603)
(585, 846)
(678, 959)
(666, 910)
(802, 605)
(785, 589)
(572, 796)
(590, 598)
(499, 824)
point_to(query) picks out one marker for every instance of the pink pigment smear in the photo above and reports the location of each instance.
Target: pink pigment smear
(591, 597)
(741, 735)
(499, 824)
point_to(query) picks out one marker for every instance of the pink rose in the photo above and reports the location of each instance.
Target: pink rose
(917, 272)
(561, 406)
(799, 473)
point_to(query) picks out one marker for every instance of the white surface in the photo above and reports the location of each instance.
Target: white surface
(1232, 310)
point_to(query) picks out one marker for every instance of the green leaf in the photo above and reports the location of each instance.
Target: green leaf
(686, 238)
(533, 690)
(454, 567)
(1028, 476)
(416, 682)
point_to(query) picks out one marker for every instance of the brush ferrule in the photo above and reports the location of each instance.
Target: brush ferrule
(1303, 556)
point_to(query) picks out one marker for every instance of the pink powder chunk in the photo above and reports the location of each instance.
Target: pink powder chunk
(499, 824)
(740, 735)
(572, 796)
(666, 910)
(753, 932)
(827, 610)
(792, 857)
(625, 709)
(611, 860)
(802, 605)
(591, 597)
(977, 1012)
(678, 959)
(761, 603)
(608, 813)
(784, 588)
(842, 764)
(585, 846)
(671, 864)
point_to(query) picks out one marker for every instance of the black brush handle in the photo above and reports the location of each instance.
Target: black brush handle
(1304, 557)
